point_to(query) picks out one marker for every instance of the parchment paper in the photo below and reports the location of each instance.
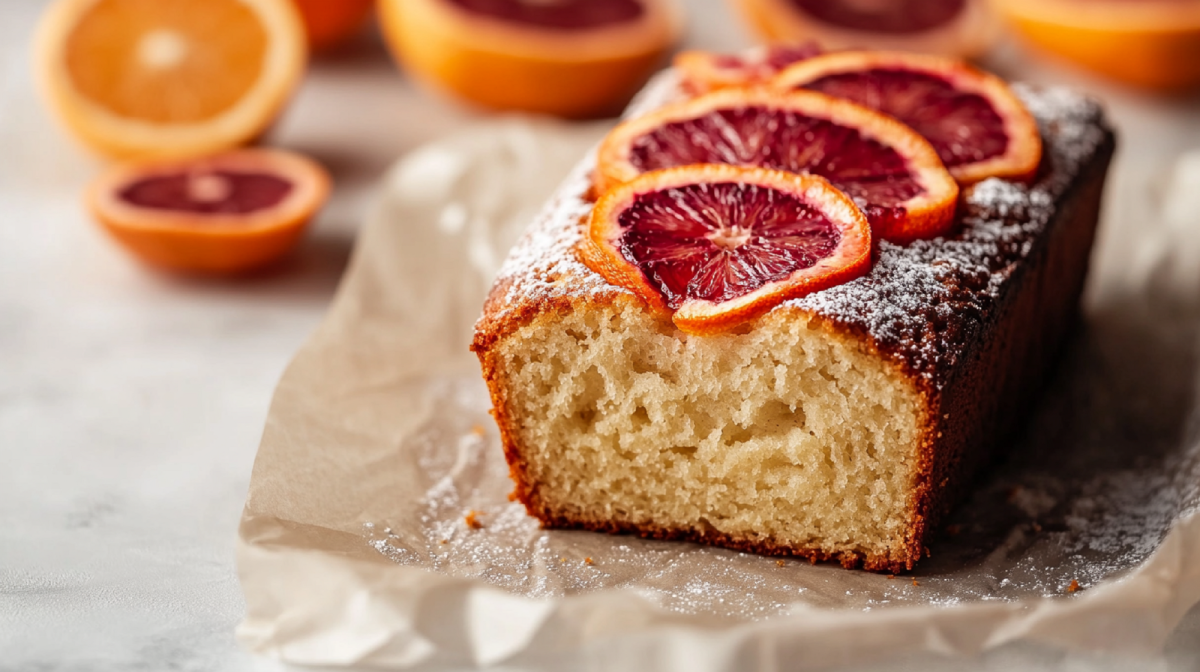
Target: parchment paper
(355, 549)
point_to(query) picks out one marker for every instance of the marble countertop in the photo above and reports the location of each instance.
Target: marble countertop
(131, 402)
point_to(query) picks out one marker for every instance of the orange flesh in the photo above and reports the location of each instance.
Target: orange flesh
(166, 61)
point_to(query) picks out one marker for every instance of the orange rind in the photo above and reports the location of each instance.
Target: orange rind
(329, 23)
(704, 71)
(224, 214)
(713, 246)
(527, 62)
(168, 78)
(1154, 44)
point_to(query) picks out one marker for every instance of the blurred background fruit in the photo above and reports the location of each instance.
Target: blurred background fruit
(1148, 43)
(329, 23)
(951, 27)
(159, 78)
(227, 213)
(573, 58)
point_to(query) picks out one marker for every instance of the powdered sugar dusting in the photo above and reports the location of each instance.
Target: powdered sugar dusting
(920, 302)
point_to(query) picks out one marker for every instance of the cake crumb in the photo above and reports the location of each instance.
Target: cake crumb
(1036, 527)
(1073, 587)
(915, 581)
(472, 519)
(780, 563)
(588, 561)
(445, 541)
(891, 576)
(512, 496)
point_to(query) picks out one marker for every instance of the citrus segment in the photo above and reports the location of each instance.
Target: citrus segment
(169, 77)
(955, 27)
(892, 173)
(704, 71)
(717, 245)
(226, 213)
(573, 58)
(976, 123)
(1150, 43)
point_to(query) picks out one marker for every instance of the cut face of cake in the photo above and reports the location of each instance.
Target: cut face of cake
(838, 425)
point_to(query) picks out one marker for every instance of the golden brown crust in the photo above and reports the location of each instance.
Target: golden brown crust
(976, 349)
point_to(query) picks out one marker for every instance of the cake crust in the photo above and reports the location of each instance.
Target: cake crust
(971, 321)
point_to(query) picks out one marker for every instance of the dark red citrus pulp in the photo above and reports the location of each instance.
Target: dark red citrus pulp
(557, 14)
(717, 242)
(962, 126)
(883, 16)
(875, 176)
(218, 192)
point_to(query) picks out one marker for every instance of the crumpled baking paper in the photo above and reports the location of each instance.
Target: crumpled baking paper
(356, 547)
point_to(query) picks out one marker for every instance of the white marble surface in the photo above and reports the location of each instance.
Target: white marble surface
(131, 402)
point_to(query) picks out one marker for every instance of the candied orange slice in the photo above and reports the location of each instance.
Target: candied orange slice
(954, 27)
(572, 58)
(716, 245)
(976, 123)
(227, 213)
(704, 71)
(169, 78)
(1149, 43)
(889, 170)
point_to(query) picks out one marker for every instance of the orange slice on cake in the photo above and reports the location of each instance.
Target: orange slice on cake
(222, 214)
(157, 78)
(1149, 43)
(953, 27)
(976, 123)
(704, 71)
(889, 170)
(716, 245)
(573, 58)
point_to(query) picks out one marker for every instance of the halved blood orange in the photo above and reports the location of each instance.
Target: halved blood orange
(955, 27)
(717, 245)
(573, 58)
(1149, 43)
(226, 213)
(892, 173)
(976, 123)
(704, 71)
(169, 78)
(329, 23)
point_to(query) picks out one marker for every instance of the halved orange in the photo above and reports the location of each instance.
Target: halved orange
(572, 58)
(226, 213)
(329, 23)
(169, 78)
(953, 27)
(889, 170)
(716, 245)
(1149, 43)
(976, 123)
(704, 71)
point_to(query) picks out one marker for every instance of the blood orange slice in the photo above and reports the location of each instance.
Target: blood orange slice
(704, 71)
(892, 173)
(573, 58)
(226, 213)
(979, 128)
(717, 245)
(957, 27)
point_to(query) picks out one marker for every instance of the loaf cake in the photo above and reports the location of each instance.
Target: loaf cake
(838, 426)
